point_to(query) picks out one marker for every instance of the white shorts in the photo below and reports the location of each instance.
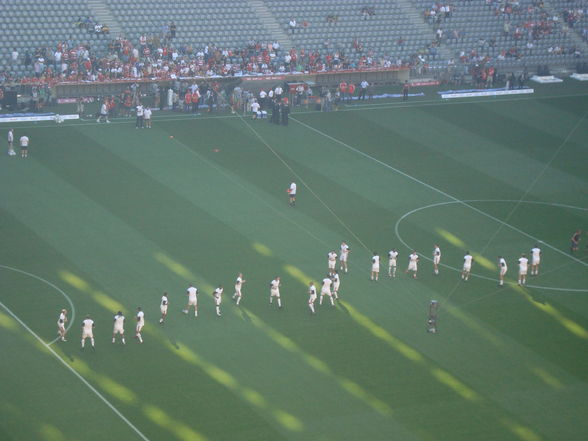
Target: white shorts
(523, 272)
(217, 301)
(238, 290)
(343, 258)
(118, 330)
(163, 309)
(503, 271)
(392, 263)
(139, 327)
(436, 260)
(326, 293)
(375, 268)
(61, 326)
(87, 334)
(192, 301)
(274, 293)
(335, 287)
(332, 264)
(467, 268)
(536, 261)
(312, 298)
(412, 266)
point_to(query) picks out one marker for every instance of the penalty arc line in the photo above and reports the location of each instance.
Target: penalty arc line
(73, 371)
(440, 204)
(435, 189)
(34, 276)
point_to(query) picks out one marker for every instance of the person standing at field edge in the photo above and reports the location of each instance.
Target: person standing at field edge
(24, 146)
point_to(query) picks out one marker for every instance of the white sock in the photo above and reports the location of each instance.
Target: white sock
(332, 301)
(311, 306)
(238, 300)
(92, 341)
(83, 342)
(140, 338)
(279, 302)
(113, 339)
(218, 311)
(124, 342)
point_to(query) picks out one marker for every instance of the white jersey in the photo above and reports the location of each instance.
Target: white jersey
(119, 321)
(147, 113)
(523, 264)
(467, 262)
(344, 252)
(336, 281)
(436, 255)
(10, 136)
(24, 141)
(502, 265)
(87, 328)
(312, 293)
(412, 261)
(375, 263)
(104, 109)
(275, 287)
(192, 293)
(140, 318)
(392, 256)
(218, 295)
(61, 320)
(332, 256)
(163, 301)
(238, 283)
(326, 288)
(535, 256)
(140, 110)
(293, 189)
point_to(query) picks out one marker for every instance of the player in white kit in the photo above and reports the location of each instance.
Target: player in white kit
(192, 293)
(218, 298)
(343, 256)
(502, 268)
(392, 259)
(238, 284)
(332, 262)
(61, 321)
(275, 291)
(375, 266)
(119, 327)
(436, 259)
(292, 194)
(311, 296)
(163, 307)
(336, 284)
(413, 264)
(467, 266)
(326, 291)
(88, 331)
(11, 151)
(140, 317)
(523, 266)
(535, 260)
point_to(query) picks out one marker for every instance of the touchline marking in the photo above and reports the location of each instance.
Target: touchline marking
(435, 189)
(439, 204)
(73, 371)
(352, 108)
(71, 305)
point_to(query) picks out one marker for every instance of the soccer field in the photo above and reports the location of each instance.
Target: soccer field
(105, 217)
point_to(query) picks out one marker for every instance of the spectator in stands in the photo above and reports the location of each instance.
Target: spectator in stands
(292, 25)
(14, 56)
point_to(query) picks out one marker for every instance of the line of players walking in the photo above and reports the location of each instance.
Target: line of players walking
(329, 288)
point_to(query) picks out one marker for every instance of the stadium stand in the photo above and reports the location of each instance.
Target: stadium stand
(328, 34)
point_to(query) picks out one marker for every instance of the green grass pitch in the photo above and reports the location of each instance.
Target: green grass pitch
(107, 217)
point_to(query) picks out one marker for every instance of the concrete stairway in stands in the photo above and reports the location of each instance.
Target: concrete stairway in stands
(103, 15)
(268, 20)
